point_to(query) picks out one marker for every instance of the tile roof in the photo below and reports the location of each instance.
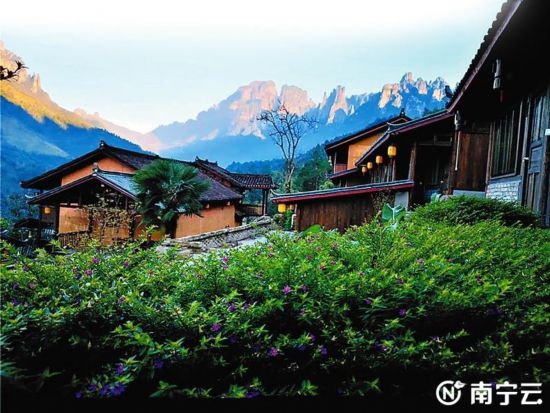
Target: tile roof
(372, 128)
(216, 192)
(246, 181)
(507, 10)
(342, 191)
(250, 181)
(138, 160)
(394, 130)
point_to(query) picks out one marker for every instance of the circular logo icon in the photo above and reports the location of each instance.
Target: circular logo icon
(448, 392)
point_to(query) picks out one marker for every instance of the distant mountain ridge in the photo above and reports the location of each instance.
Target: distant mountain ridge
(233, 120)
(36, 134)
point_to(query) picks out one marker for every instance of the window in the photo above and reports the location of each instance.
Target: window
(505, 144)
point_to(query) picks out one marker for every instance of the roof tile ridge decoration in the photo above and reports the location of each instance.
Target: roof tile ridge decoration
(507, 10)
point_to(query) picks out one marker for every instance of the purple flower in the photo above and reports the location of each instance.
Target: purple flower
(233, 339)
(92, 387)
(309, 257)
(32, 285)
(158, 363)
(273, 352)
(301, 347)
(89, 272)
(402, 312)
(15, 286)
(435, 338)
(311, 337)
(400, 281)
(303, 312)
(121, 300)
(323, 350)
(216, 327)
(368, 301)
(421, 261)
(252, 393)
(286, 290)
(231, 308)
(225, 259)
(105, 390)
(120, 369)
(15, 302)
(118, 389)
(125, 264)
(26, 268)
(78, 394)
(303, 288)
(270, 255)
(95, 260)
(246, 306)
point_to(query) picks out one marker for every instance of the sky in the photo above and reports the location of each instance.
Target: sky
(145, 63)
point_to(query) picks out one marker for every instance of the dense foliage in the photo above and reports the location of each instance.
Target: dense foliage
(378, 309)
(470, 210)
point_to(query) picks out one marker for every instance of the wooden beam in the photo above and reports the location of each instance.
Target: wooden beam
(412, 163)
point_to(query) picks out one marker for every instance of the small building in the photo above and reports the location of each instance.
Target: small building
(69, 193)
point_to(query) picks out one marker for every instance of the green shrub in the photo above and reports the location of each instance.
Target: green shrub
(470, 210)
(369, 311)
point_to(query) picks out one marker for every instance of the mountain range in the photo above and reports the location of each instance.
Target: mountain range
(229, 131)
(37, 134)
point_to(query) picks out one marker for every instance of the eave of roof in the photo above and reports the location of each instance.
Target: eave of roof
(369, 130)
(64, 188)
(342, 192)
(413, 125)
(503, 17)
(103, 149)
(344, 173)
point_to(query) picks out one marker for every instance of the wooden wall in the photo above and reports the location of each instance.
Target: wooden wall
(214, 218)
(358, 149)
(338, 213)
(106, 164)
(470, 170)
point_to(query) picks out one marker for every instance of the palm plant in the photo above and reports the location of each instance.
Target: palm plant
(166, 189)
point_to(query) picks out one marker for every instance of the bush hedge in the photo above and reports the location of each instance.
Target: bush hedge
(373, 311)
(470, 210)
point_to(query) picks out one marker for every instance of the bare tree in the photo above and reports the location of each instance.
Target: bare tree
(6, 73)
(287, 130)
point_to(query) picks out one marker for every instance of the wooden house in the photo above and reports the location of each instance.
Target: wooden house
(406, 164)
(67, 195)
(502, 109)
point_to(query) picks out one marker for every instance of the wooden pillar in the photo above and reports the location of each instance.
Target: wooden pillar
(412, 163)
(264, 202)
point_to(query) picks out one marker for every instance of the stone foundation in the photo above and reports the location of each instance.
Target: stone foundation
(505, 191)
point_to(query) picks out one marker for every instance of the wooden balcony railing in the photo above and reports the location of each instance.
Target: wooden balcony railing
(75, 239)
